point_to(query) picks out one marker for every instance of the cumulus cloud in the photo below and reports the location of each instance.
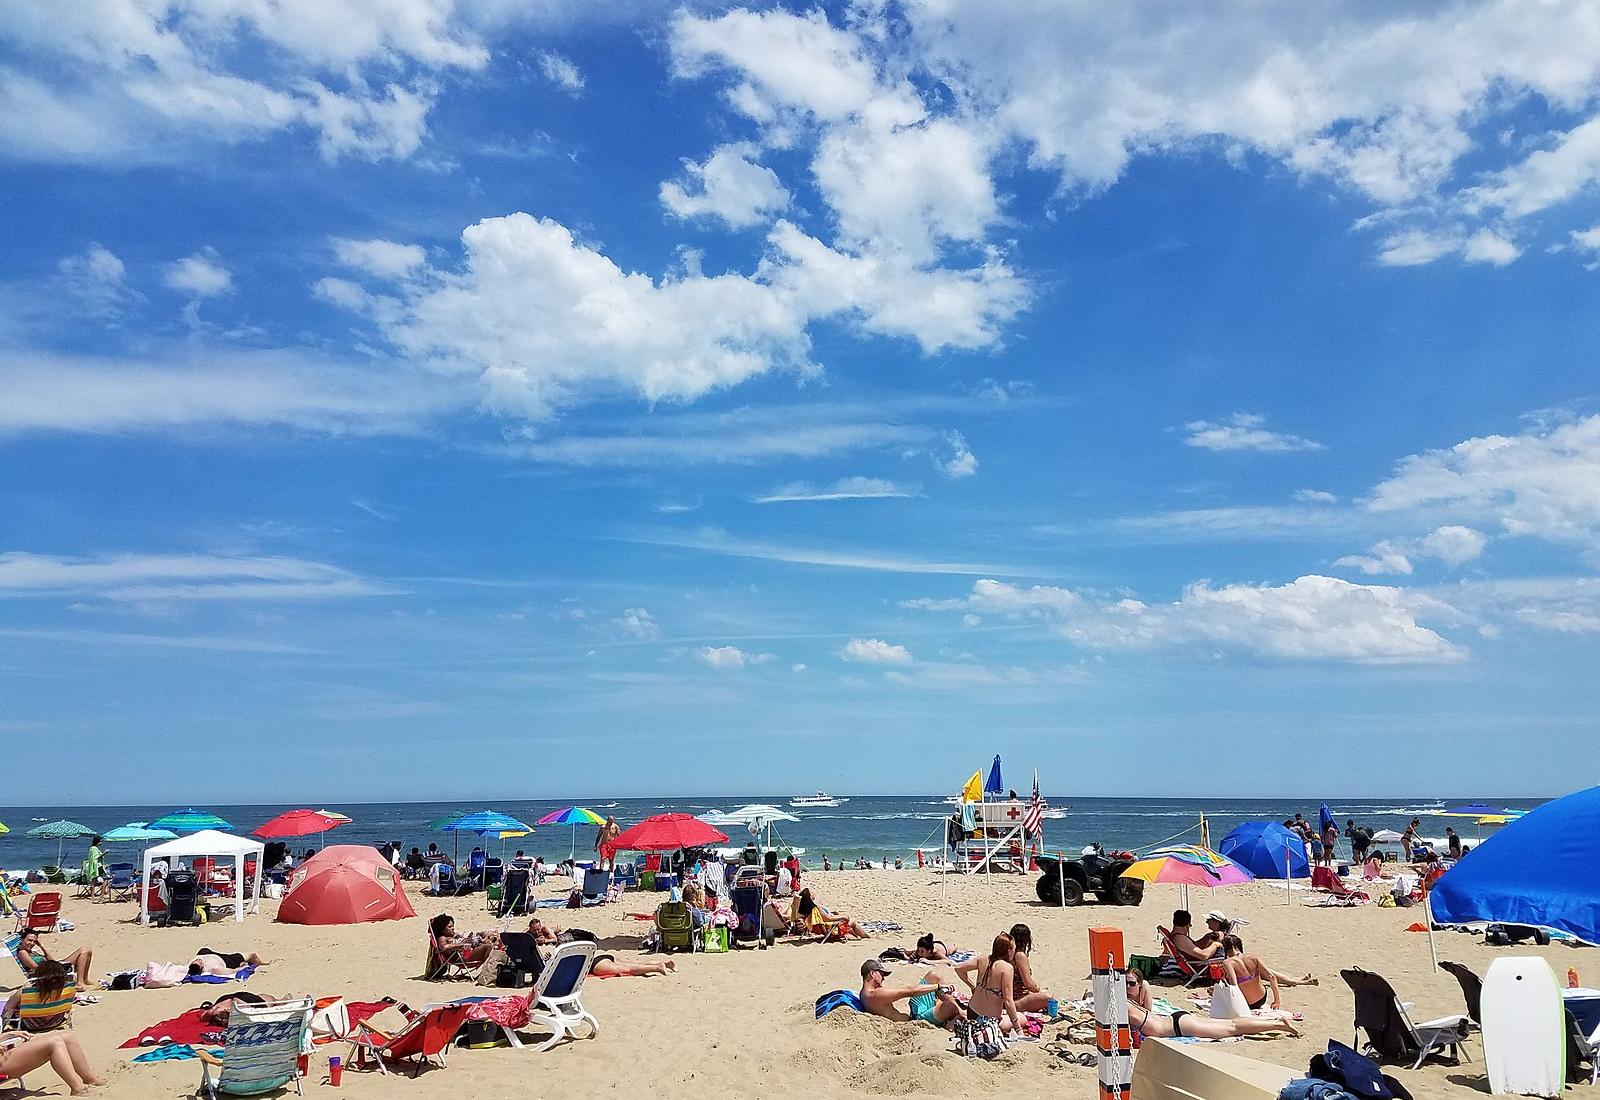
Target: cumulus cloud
(1244, 432)
(961, 462)
(1312, 618)
(385, 259)
(730, 657)
(873, 651)
(730, 186)
(636, 622)
(846, 488)
(200, 276)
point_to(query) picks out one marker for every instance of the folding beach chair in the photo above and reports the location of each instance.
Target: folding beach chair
(123, 879)
(1582, 1050)
(41, 914)
(1471, 989)
(261, 1049)
(755, 928)
(514, 893)
(444, 962)
(555, 1004)
(427, 1035)
(676, 926)
(1329, 890)
(1175, 964)
(34, 1012)
(596, 883)
(1391, 1035)
(824, 928)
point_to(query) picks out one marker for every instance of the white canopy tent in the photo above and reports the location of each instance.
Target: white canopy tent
(208, 842)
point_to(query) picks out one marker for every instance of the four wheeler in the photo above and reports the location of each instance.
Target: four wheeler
(1064, 882)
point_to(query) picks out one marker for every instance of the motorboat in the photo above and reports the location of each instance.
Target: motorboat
(819, 799)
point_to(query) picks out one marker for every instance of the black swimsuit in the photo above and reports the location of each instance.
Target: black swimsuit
(1177, 1023)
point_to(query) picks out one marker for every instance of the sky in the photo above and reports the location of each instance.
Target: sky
(470, 399)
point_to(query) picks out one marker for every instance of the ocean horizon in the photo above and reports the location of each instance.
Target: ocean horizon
(865, 826)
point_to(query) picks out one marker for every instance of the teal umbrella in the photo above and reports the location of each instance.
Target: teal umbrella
(135, 832)
(191, 821)
(485, 822)
(61, 831)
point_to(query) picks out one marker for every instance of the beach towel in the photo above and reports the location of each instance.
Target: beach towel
(243, 975)
(188, 1028)
(174, 1052)
(876, 926)
(838, 998)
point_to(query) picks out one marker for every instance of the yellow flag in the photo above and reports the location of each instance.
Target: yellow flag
(973, 791)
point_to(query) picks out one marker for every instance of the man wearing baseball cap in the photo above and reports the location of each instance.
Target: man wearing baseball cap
(929, 1002)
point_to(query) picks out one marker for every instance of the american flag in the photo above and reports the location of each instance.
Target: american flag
(1033, 819)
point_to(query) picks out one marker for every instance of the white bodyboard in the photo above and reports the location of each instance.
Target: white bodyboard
(1524, 1028)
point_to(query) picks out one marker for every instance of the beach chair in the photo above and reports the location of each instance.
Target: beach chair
(1582, 1050)
(1471, 989)
(1391, 1034)
(513, 893)
(824, 928)
(523, 951)
(494, 870)
(625, 873)
(261, 1049)
(676, 926)
(1175, 964)
(444, 963)
(554, 1004)
(596, 883)
(427, 1035)
(1331, 890)
(446, 881)
(42, 913)
(750, 904)
(36, 1013)
(123, 879)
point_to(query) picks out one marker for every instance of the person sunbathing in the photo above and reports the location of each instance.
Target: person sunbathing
(31, 952)
(1029, 995)
(474, 947)
(1248, 972)
(607, 966)
(51, 984)
(928, 1001)
(1187, 1025)
(22, 1053)
(542, 932)
(808, 913)
(218, 1011)
(221, 964)
(991, 978)
(929, 949)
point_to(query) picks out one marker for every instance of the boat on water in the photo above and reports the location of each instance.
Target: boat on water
(818, 799)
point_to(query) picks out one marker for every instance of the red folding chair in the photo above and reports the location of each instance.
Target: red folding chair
(426, 1035)
(41, 915)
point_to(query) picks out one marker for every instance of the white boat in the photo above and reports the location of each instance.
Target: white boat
(818, 799)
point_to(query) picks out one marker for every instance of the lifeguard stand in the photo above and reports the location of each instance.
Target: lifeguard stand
(998, 842)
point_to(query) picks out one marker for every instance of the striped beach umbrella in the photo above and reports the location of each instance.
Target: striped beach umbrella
(191, 821)
(574, 816)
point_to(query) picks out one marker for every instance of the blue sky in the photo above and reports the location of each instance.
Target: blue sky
(466, 399)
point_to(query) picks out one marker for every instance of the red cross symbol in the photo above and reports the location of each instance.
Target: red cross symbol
(1013, 813)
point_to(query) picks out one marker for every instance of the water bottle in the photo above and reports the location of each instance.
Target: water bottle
(1572, 977)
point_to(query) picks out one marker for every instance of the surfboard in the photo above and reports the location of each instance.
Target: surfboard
(1524, 1028)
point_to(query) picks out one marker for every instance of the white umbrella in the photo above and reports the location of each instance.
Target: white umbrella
(757, 817)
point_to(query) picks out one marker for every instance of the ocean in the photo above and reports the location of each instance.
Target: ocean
(871, 826)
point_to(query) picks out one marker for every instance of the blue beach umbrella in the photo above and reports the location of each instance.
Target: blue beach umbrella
(1266, 849)
(994, 784)
(136, 831)
(1325, 818)
(191, 821)
(485, 822)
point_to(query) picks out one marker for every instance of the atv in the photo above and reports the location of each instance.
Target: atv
(1064, 882)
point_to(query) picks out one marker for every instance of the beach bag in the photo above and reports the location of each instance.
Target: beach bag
(1356, 1074)
(714, 938)
(331, 1020)
(1228, 1003)
(979, 1037)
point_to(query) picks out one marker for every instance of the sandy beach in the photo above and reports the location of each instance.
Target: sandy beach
(742, 1023)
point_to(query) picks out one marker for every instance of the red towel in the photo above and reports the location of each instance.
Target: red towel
(191, 1027)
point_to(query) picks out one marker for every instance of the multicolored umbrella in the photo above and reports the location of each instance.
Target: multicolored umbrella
(574, 816)
(191, 821)
(61, 831)
(1188, 865)
(300, 823)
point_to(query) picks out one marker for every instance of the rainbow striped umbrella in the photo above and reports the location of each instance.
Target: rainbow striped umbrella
(574, 816)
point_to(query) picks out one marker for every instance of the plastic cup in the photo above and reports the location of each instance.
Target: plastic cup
(304, 1064)
(335, 1070)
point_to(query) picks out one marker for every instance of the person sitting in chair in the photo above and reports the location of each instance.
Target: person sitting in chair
(474, 947)
(808, 914)
(1201, 950)
(416, 866)
(31, 953)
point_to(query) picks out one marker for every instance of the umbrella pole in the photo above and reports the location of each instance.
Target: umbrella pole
(1427, 912)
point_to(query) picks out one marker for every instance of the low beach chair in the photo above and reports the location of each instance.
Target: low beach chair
(261, 1049)
(1471, 989)
(427, 1035)
(555, 1003)
(123, 879)
(1175, 964)
(596, 883)
(42, 913)
(1328, 889)
(513, 893)
(676, 926)
(826, 929)
(1390, 1031)
(37, 1013)
(442, 962)
(1582, 1050)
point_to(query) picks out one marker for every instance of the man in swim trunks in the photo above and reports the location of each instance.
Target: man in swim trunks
(928, 1002)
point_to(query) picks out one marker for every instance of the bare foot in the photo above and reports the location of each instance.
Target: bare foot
(97, 1081)
(1291, 1029)
(1308, 980)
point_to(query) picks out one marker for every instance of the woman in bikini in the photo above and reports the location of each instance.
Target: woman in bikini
(929, 949)
(1029, 995)
(31, 952)
(990, 977)
(22, 1053)
(1187, 1025)
(805, 906)
(1248, 972)
(474, 947)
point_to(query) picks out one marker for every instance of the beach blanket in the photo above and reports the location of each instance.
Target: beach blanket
(192, 1029)
(243, 975)
(174, 1052)
(838, 998)
(881, 926)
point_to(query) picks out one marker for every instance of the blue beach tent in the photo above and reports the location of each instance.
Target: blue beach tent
(1262, 847)
(1538, 869)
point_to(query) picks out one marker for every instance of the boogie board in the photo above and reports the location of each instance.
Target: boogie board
(1524, 1028)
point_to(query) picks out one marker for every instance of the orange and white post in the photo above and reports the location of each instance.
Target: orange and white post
(1112, 1036)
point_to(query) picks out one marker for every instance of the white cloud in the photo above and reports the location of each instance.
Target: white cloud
(1312, 618)
(385, 259)
(1244, 432)
(1488, 247)
(712, 541)
(561, 72)
(127, 81)
(847, 488)
(1588, 241)
(732, 657)
(962, 462)
(201, 275)
(1315, 496)
(1414, 247)
(873, 651)
(195, 385)
(729, 186)
(1545, 177)
(154, 577)
(1543, 483)
(636, 622)
(97, 278)
(1453, 544)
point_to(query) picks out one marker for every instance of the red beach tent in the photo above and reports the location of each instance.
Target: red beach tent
(345, 884)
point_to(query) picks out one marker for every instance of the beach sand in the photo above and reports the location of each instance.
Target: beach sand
(742, 1024)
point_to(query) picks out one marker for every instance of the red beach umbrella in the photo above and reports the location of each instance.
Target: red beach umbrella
(299, 823)
(668, 833)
